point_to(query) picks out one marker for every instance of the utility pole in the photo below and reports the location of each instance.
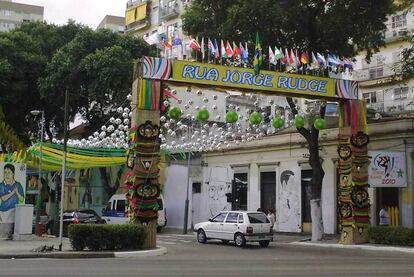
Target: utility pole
(65, 142)
(186, 204)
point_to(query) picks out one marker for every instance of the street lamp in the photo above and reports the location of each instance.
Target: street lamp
(39, 180)
(186, 203)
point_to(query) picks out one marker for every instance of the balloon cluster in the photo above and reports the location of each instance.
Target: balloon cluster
(198, 124)
(114, 134)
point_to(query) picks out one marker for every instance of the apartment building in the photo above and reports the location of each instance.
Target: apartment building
(381, 92)
(13, 14)
(114, 23)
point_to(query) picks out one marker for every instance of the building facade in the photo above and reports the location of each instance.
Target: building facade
(377, 86)
(13, 14)
(114, 23)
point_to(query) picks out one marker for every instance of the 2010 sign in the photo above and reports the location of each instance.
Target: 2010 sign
(387, 169)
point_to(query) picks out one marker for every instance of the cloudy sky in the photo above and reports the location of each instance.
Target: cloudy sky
(89, 12)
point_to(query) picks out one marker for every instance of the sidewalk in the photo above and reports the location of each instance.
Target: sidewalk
(10, 249)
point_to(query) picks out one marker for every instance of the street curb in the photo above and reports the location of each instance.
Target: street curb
(86, 254)
(143, 253)
(359, 246)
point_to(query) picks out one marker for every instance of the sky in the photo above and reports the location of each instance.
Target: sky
(88, 12)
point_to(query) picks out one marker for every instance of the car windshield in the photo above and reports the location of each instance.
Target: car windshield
(258, 218)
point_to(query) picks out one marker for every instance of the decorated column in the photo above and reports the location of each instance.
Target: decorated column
(142, 183)
(353, 198)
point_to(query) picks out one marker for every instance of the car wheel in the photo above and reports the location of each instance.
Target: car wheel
(225, 241)
(239, 240)
(201, 236)
(264, 243)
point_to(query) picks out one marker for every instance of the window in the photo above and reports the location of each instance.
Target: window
(376, 72)
(240, 220)
(120, 206)
(258, 218)
(399, 21)
(240, 185)
(400, 93)
(196, 187)
(232, 218)
(171, 30)
(370, 97)
(219, 218)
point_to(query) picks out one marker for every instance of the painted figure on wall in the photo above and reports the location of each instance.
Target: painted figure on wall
(11, 192)
(218, 185)
(289, 210)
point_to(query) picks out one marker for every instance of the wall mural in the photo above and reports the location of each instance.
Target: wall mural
(218, 184)
(12, 189)
(288, 203)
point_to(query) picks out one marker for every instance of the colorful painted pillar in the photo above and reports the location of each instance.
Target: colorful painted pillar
(353, 198)
(142, 182)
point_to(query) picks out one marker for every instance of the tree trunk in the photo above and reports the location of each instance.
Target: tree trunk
(317, 221)
(312, 138)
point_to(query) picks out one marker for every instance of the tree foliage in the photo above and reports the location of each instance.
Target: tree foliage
(39, 61)
(343, 27)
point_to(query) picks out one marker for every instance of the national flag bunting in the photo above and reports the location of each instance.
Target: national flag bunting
(202, 49)
(223, 50)
(272, 58)
(278, 54)
(236, 51)
(193, 44)
(229, 50)
(258, 58)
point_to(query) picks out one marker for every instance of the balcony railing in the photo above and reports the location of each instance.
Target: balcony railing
(132, 3)
(398, 33)
(169, 12)
(376, 72)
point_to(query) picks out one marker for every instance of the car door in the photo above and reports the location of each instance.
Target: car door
(230, 226)
(214, 228)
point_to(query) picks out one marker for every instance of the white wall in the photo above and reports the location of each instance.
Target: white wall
(175, 189)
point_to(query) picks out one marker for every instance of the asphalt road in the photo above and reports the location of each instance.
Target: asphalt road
(188, 258)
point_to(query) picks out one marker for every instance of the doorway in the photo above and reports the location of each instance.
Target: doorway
(389, 198)
(306, 178)
(267, 190)
(239, 191)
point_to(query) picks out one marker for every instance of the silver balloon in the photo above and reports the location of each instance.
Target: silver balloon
(130, 114)
(186, 106)
(95, 134)
(126, 110)
(199, 92)
(112, 120)
(214, 97)
(103, 128)
(214, 107)
(166, 103)
(129, 97)
(205, 100)
(218, 117)
(174, 91)
(120, 110)
(190, 102)
(163, 118)
(125, 115)
(196, 108)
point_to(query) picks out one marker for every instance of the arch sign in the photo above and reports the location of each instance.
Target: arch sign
(143, 185)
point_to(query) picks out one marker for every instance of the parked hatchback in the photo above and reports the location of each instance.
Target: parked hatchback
(80, 217)
(237, 226)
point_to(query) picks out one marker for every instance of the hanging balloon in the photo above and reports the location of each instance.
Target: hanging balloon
(319, 123)
(174, 113)
(255, 118)
(299, 121)
(203, 115)
(277, 122)
(231, 117)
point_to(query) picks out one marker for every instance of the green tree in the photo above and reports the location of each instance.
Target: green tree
(343, 27)
(96, 69)
(39, 61)
(24, 54)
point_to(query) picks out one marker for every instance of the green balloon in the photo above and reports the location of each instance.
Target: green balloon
(319, 123)
(231, 117)
(255, 118)
(203, 115)
(299, 121)
(174, 113)
(277, 122)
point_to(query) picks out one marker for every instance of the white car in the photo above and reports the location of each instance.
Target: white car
(237, 226)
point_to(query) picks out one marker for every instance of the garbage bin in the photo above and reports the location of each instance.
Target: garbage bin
(40, 229)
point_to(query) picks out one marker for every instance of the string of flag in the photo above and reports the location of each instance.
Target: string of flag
(279, 59)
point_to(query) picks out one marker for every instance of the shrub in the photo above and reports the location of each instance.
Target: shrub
(391, 235)
(100, 237)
